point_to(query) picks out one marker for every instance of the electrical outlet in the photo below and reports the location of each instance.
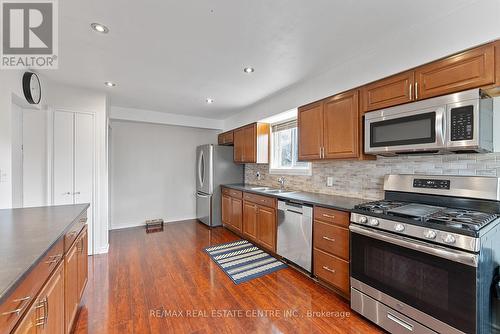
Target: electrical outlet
(329, 181)
(3, 176)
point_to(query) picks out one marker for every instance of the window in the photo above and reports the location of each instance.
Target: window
(284, 150)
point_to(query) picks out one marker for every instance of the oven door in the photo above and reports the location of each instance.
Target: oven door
(413, 131)
(434, 285)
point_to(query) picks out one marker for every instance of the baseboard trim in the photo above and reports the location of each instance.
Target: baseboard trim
(132, 225)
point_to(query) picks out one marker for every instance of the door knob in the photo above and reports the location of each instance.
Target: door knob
(66, 193)
(76, 193)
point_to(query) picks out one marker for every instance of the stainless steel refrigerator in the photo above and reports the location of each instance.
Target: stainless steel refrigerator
(214, 166)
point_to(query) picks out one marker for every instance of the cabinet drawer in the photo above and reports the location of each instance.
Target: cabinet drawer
(233, 193)
(332, 270)
(331, 239)
(261, 200)
(336, 217)
(74, 230)
(29, 287)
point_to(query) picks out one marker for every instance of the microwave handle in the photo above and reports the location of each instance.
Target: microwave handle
(441, 126)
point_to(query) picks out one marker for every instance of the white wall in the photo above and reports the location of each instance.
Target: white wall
(153, 171)
(402, 50)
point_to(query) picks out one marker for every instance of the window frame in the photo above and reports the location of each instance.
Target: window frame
(307, 171)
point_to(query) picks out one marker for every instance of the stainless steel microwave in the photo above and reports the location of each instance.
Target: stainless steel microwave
(455, 123)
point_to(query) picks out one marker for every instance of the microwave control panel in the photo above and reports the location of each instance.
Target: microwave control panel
(462, 123)
(431, 183)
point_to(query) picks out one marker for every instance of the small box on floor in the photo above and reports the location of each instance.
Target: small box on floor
(154, 225)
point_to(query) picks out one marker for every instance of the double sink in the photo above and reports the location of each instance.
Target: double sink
(269, 190)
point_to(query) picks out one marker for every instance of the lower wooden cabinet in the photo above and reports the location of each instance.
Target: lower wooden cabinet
(331, 255)
(250, 220)
(46, 315)
(75, 278)
(253, 217)
(71, 287)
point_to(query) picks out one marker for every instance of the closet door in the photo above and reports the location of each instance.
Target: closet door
(63, 158)
(84, 158)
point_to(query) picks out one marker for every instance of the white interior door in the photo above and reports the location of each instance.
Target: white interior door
(63, 165)
(84, 165)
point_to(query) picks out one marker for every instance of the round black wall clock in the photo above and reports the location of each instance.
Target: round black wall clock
(31, 88)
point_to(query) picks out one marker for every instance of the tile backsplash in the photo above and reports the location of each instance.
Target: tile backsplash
(364, 179)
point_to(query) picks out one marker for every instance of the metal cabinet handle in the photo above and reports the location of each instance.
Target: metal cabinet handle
(328, 269)
(416, 90)
(400, 322)
(42, 321)
(24, 302)
(411, 86)
(76, 193)
(83, 220)
(329, 239)
(328, 216)
(54, 259)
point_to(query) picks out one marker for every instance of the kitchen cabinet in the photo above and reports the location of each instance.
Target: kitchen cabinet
(388, 92)
(469, 69)
(71, 287)
(51, 304)
(331, 255)
(341, 126)
(250, 220)
(82, 254)
(310, 126)
(232, 209)
(251, 143)
(329, 129)
(466, 70)
(226, 138)
(259, 219)
(29, 324)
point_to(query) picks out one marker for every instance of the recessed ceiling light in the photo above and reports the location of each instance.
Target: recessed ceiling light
(248, 70)
(209, 100)
(109, 84)
(100, 28)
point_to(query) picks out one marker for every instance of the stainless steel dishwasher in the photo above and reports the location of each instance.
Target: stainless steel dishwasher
(295, 233)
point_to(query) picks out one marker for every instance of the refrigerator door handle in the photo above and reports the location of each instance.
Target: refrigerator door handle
(198, 194)
(201, 168)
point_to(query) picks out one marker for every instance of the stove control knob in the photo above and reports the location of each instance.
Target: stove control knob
(449, 239)
(430, 234)
(363, 219)
(399, 227)
(373, 222)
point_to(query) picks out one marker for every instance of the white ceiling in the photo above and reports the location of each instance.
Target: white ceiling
(170, 55)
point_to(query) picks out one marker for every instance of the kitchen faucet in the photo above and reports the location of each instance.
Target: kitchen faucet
(281, 181)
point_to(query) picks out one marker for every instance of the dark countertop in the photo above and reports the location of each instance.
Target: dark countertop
(26, 235)
(329, 201)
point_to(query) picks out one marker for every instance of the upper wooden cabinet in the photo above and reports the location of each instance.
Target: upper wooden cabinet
(226, 138)
(329, 129)
(474, 68)
(466, 70)
(251, 143)
(341, 126)
(397, 89)
(310, 125)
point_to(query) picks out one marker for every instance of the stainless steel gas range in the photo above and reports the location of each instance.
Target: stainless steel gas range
(426, 258)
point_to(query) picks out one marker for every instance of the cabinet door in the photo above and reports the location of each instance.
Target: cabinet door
(341, 126)
(239, 144)
(52, 304)
(466, 70)
(388, 92)
(236, 213)
(82, 250)
(310, 127)
(266, 227)
(250, 144)
(250, 220)
(63, 158)
(226, 209)
(71, 299)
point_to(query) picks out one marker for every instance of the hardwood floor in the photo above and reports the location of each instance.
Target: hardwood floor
(164, 283)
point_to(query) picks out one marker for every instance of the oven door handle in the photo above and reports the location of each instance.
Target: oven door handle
(419, 246)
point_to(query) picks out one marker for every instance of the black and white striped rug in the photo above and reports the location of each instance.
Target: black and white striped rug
(243, 261)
